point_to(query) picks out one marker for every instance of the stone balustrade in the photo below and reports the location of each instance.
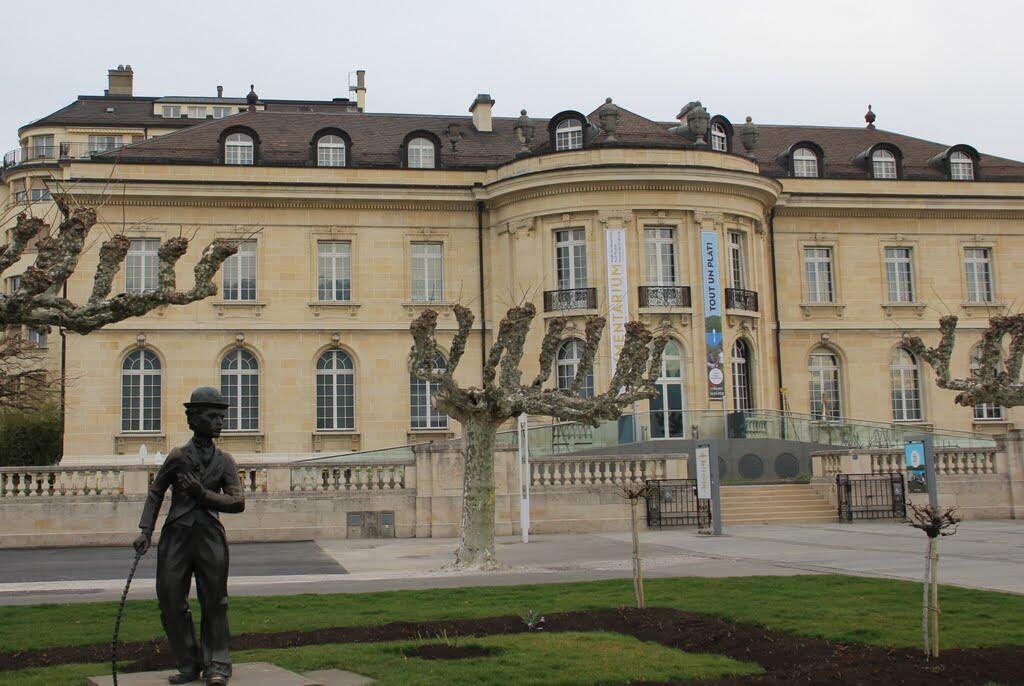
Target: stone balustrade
(591, 471)
(334, 478)
(56, 482)
(948, 461)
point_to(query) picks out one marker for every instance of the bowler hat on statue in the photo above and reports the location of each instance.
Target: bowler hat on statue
(206, 396)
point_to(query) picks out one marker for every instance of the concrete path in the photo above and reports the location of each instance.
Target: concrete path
(987, 555)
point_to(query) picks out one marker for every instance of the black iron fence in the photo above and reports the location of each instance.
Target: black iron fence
(50, 153)
(740, 299)
(674, 502)
(570, 299)
(664, 296)
(871, 496)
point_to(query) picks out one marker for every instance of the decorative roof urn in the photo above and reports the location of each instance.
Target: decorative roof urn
(697, 121)
(608, 114)
(524, 128)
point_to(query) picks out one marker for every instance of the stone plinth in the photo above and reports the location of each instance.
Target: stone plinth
(250, 674)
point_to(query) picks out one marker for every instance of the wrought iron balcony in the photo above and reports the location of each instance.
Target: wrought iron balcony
(570, 299)
(740, 299)
(664, 296)
(51, 153)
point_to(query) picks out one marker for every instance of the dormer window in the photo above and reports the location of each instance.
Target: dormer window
(171, 111)
(238, 149)
(719, 138)
(196, 112)
(883, 164)
(805, 163)
(219, 112)
(569, 135)
(330, 151)
(961, 166)
(421, 153)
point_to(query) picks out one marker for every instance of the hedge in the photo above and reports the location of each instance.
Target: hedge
(30, 438)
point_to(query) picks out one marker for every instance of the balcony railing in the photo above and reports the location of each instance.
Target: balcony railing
(740, 299)
(664, 296)
(52, 153)
(570, 299)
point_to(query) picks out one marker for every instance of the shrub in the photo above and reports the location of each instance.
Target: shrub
(30, 438)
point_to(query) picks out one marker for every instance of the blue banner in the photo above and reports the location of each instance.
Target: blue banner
(917, 479)
(713, 315)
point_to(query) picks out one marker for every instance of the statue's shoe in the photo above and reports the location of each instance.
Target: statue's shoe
(183, 678)
(216, 680)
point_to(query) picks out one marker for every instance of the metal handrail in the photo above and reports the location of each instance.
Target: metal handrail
(570, 299)
(51, 153)
(741, 299)
(664, 296)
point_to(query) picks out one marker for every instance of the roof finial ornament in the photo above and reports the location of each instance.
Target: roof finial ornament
(608, 114)
(252, 98)
(870, 118)
(524, 129)
(749, 135)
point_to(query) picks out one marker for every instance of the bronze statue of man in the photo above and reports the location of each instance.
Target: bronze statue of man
(204, 481)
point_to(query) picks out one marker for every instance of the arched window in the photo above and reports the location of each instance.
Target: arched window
(421, 153)
(667, 407)
(421, 393)
(983, 412)
(883, 164)
(719, 138)
(140, 392)
(805, 163)
(240, 386)
(335, 391)
(569, 135)
(569, 355)
(238, 149)
(330, 151)
(742, 391)
(906, 387)
(961, 166)
(825, 391)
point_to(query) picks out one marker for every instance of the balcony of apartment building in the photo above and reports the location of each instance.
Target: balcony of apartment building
(570, 300)
(49, 153)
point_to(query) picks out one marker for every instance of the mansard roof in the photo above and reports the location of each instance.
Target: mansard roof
(376, 141)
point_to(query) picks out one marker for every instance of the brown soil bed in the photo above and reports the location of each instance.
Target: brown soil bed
(786, 658)
(443, 651)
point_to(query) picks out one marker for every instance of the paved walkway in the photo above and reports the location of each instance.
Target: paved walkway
(987, 555)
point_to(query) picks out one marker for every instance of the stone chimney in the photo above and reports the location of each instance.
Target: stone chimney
(220, 91)
(360, 89)
(481, 109)
(119, 81)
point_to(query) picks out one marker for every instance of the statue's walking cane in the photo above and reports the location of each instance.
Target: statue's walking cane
(120, 612)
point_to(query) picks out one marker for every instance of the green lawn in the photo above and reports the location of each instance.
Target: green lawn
(850, 609)
(536, 659)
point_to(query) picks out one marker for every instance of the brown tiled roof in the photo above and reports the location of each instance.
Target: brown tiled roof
(91, 110)
(285, 138)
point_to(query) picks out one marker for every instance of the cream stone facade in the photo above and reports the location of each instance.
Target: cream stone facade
(497, 215)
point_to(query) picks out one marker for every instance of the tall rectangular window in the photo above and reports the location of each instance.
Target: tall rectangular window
(239, 273)
(571, 258)
(42, 146)
(660, 245)
(104, 143)
(39, 191)
(737, 260)
(899, 274)
(818, 265)
(142, 266)
(978, 266)
(171, 111)
(221, 112)
(427, 272)
(334, 270)
(197, 111)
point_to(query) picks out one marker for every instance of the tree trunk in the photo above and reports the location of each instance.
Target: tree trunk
(638, 575)
(933, 559)
(476, 548)
(926, 587)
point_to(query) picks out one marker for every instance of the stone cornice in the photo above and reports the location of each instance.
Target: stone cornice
(901, 206)
(899, 213)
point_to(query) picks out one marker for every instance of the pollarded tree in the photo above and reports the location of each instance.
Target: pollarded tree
(39, 302)
(994, 380)
(481, 411)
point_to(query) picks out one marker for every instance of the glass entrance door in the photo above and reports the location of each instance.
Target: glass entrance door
(668, 408)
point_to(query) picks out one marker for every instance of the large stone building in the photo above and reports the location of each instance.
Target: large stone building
(834, 242)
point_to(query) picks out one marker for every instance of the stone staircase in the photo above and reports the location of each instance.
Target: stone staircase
(774, 504)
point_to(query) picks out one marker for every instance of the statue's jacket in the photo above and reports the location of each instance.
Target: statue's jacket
(223, 489)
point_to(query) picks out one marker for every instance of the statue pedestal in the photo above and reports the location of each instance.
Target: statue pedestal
(248, 674)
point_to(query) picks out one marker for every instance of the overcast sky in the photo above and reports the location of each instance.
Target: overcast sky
(944, 71)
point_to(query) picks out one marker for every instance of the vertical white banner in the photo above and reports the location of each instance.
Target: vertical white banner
(523, 434)
(618, 291)
(703, 455)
